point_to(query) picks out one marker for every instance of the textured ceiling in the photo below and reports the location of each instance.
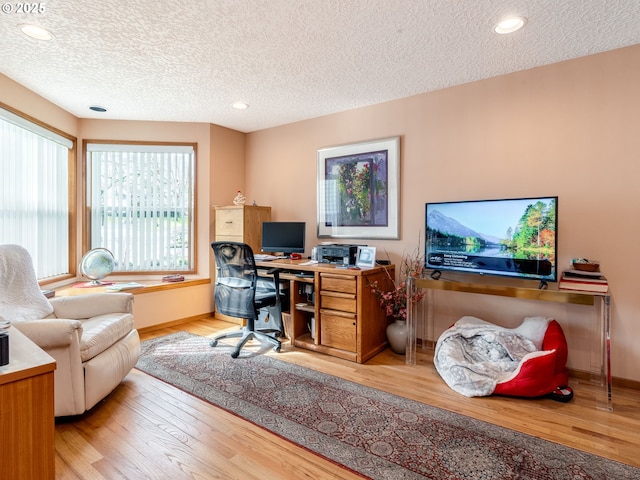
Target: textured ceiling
(189, 60)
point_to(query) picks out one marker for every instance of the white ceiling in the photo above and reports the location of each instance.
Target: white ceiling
(290, 60)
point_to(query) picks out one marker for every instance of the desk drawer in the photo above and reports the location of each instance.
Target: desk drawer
(338, 301)
(338, 283)
(338, 331)
(229, 222)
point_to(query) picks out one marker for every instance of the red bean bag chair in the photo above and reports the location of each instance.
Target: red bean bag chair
(540, 374)
(477, 358)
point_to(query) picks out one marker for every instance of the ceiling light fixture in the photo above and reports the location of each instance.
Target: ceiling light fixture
(240, 106)
(509, 25)
(96, 108)
(37, 32)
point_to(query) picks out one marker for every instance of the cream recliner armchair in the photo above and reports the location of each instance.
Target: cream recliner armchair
(91, 337)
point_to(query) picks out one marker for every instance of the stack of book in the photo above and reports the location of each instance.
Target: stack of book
(584, 281)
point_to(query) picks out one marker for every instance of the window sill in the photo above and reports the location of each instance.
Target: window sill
(148, 286)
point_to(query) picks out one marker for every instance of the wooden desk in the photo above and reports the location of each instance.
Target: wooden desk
(348, 320)
(27, 412)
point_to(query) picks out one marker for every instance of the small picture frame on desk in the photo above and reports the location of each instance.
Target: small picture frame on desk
(366, 257)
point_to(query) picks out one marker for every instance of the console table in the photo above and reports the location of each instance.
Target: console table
(601, 343)
(333, 310)
(27, 414)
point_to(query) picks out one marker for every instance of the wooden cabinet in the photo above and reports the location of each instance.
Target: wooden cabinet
(241, 223)
(335, 312)
(338, 311)
(27, 412)
(338, 330)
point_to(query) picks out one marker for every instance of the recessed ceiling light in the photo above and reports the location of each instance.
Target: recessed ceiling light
(509, 25)
(240, 106)
(96, 108)
(35, 31)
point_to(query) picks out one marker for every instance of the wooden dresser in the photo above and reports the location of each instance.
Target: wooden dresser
(26, 412)
(241, 224)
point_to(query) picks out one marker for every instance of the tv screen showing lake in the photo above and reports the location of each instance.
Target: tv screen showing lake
(513, 237)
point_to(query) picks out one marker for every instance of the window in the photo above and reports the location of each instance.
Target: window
(34, 192)
(141, 204)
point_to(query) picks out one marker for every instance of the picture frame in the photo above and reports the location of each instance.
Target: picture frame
(358, 190)
(366, 257)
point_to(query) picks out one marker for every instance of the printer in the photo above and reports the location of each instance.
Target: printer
(337, 253)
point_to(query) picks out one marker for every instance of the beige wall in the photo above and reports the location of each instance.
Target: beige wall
(24, 100)
(569, 129)
(227, 174)
(227, 164)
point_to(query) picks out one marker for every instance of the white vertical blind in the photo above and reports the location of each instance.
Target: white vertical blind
(141, 199)
(34, 192)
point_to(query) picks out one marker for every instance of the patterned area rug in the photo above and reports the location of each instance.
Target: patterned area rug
(373, 433)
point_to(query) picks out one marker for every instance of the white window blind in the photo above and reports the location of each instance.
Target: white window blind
(34, 192)
(141, 199)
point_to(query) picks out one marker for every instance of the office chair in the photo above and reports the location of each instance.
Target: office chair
(239, 292)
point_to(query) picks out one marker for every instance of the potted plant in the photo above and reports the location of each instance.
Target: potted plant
(395, 302)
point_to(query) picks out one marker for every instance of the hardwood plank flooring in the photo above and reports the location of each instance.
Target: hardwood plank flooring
(148, 429)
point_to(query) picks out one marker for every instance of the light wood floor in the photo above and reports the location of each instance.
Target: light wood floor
(148, 429)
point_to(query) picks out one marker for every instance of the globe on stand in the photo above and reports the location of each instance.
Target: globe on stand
(97, 264)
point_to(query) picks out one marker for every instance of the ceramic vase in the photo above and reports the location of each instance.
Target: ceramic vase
(397, 336)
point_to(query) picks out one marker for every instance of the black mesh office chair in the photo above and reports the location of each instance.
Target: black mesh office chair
(239, 292)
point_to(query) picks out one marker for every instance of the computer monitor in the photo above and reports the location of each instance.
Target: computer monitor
(283, 237)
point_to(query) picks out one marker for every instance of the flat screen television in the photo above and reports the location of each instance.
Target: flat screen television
(508, 237)
(283, 237)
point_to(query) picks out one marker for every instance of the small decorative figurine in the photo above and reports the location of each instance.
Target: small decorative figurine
(239, 199)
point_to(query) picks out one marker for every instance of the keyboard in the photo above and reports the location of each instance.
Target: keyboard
(261, 257)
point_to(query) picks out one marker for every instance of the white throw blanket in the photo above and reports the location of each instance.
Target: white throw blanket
(473, 356)
(20, 295)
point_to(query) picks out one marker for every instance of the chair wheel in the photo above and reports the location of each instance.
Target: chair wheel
(235, 354)
(214, 343)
